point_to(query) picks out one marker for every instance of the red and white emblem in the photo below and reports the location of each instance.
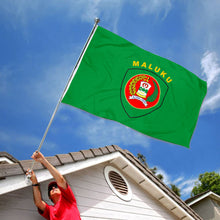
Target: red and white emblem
(142, 91)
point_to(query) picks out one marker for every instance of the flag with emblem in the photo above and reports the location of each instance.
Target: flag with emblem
(118, 80)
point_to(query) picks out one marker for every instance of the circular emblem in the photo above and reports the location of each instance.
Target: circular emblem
(142, 91)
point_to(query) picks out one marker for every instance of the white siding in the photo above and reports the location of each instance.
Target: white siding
(97, 201)
(206, 209)
(94, 197)
(18, 205)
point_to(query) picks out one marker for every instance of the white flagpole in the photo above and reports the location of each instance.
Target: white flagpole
(67, 86)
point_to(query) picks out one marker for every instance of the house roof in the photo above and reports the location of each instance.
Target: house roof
(6, 158)
(201, 196)
(119, 157)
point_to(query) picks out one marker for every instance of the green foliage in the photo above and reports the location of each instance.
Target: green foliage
(142, 159)
(175, 189)
(207, 181)
(154, 171)
(160, 176)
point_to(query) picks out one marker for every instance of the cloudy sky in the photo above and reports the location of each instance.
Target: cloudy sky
(40, 44)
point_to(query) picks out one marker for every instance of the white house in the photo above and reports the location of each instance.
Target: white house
(206, 204)
(108, 182)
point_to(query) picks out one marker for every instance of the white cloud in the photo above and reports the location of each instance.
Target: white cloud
(16, 11)
(178, 180)
(50, 87)
(166, 176)
(15, 139)
(203, 33)
(24, 12)
(204, 30)
(212, 103)
(101, 132)
(211, 69)
(183, 183)
(186, 186)
(155, 7)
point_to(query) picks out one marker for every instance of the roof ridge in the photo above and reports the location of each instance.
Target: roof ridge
(196, 196)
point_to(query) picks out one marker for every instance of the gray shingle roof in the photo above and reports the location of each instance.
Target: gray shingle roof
(196, 197)
(19, 167)
(9, 156)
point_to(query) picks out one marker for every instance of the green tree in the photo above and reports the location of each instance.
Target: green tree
(154, 171)
(160, 176)
(175, 189)
(142, 159)
(207, 181)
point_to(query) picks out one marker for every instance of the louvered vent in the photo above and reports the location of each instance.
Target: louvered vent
(118, 182)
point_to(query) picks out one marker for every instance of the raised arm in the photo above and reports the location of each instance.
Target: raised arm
(36, 191)
(39, 157)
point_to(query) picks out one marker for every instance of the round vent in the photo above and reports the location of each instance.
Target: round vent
(117, 183)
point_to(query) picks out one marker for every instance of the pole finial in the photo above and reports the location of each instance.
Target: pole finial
(97, 20)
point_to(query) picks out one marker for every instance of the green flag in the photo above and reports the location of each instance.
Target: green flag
(119, 81)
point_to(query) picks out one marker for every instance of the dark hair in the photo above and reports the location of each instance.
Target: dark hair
(50, 187)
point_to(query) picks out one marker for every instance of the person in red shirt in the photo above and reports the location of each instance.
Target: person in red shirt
(60, 193)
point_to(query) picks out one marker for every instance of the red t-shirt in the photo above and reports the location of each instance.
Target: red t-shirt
(65, 209)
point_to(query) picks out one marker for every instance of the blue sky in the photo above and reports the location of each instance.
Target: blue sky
(40, 43)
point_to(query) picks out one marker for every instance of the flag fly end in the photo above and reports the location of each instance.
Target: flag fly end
(144, 95)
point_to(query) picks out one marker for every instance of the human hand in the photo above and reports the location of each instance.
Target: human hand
(30, 173)
(38, 156)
